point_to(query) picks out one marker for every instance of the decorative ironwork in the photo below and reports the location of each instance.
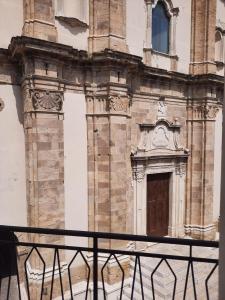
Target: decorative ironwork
(53, 282)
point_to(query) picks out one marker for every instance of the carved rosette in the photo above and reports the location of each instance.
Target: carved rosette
(47, 100)
(207, 112)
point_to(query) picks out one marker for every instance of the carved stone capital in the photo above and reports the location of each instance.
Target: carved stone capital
(139, 174)
(180, 169)
(42, 100)
(108, 104)
(119, 103)
(208, 112)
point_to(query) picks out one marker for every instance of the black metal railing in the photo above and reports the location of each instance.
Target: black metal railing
(49, 275)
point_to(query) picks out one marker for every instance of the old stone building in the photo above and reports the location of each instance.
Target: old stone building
(111, 115)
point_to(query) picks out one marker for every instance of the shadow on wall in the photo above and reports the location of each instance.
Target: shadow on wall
(19, 102)
(73, 29)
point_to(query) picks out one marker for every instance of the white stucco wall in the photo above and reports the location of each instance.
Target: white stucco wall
(183, 34)
(75, 36)
(13, 210)
(220, 22)
(217, 165)
(11, 20)
(75, 147)
(136, 26)
(77, 9)
(136, 33)
(220, 12)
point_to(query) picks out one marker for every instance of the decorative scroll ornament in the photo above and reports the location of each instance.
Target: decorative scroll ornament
(2, 104)
(47, 100)
(139, 175)
(180, 169)
(119, 103)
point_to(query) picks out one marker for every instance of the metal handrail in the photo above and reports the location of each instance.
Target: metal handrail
(112, 253)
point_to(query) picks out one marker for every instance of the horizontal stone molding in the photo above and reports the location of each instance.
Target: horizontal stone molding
(189, 228)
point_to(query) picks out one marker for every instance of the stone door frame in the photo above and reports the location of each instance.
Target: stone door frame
(177, 168)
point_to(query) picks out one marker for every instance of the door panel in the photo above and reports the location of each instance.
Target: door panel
(158, 204)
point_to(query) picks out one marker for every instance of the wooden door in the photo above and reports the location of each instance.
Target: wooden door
(158, 204)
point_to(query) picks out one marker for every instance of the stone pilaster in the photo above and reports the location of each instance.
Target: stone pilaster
(107, 25)
(39, 19)
(203, 22)
(201, 133)
(108, 161)
(43, 125)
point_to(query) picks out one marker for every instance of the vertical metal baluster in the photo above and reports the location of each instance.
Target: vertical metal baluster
(95, 268)
(9, 282)
(152, 281)
(53, 274)
(88, 277)
(207, 280)
(175, 279)
(43, 276)
(60, 275)
(134, 276)
(18, 279)
(70, 280)
(192, 273)
(186, 281)
(123, 275)
(102, 273)
(142, 288)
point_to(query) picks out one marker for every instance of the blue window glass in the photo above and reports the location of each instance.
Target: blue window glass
(160, 28)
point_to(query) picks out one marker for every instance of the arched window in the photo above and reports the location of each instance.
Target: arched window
(160, 28)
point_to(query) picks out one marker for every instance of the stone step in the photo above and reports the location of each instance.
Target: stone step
(164, 279)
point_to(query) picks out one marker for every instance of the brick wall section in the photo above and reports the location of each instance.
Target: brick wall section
(203, 35)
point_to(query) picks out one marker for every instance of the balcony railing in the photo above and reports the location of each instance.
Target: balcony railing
(45, 271)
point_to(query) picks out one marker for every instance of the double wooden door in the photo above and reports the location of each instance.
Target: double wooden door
(158, 204)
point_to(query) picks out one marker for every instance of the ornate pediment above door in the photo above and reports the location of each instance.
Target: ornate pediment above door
(160, 139)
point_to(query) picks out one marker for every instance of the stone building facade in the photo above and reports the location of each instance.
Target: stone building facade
(91, 113)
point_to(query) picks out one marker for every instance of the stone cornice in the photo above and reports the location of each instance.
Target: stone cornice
(107, 58)
(22, 44)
